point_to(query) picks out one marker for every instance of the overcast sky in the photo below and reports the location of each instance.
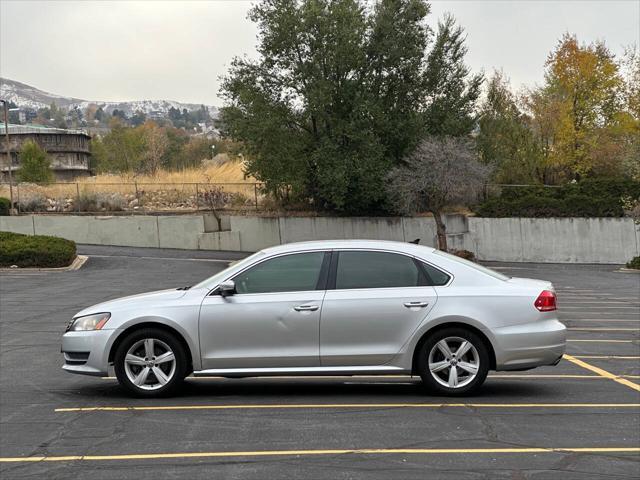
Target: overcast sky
(119, 50)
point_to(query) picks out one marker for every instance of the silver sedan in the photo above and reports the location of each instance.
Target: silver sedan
(348, 307)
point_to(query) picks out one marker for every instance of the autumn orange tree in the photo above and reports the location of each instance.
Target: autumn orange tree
(580, 115)
(584, 121)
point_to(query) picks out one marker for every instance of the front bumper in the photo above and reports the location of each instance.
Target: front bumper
(529, 345)
(87, 353)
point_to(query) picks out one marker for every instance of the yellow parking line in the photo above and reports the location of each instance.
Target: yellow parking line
(602, 320)
(603, 329)
(560, 375)
(368, 377)
(358, 451)
(578, 307)
(293, 406)
(609, 357)
(599, 341)
(576, 301)
(603, 373)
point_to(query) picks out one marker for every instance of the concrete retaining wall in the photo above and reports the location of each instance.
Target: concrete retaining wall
(561, 240)
(571, 240)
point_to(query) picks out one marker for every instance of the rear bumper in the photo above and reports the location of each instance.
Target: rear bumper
(530, 345)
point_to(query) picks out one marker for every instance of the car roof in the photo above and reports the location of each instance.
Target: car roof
(405, 247)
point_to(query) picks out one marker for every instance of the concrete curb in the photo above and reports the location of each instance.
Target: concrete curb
(628, 270)
(77, 264)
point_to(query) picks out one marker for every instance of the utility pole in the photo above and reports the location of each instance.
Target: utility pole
(6, 133)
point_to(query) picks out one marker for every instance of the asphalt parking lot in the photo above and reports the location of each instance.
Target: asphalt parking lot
(578, 420)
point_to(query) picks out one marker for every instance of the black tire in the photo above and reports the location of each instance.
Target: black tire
(175, 380)
(482, 362)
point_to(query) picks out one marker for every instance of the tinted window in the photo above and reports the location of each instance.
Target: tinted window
(435, 277)
(290, 273)
(375, 270)
(473, 265)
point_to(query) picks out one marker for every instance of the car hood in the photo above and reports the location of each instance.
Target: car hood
(149, 297)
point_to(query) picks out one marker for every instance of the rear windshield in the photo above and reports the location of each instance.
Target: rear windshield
(473, 265)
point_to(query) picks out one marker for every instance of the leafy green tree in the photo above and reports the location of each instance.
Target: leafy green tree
(138, 118)
(195, 151)
(174, 155)
(120, 115)
(100, 115)
(451, 89)
(121, 150)
(631, 118)
(342, 92)
(35, 165)
(505, 139)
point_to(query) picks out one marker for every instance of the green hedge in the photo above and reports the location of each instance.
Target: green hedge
(5, 205)
(634, 263)
(589, 198)
(35, 250)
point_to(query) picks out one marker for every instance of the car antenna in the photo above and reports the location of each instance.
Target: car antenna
(416, 241)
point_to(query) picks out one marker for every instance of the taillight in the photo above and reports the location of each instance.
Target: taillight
(546, 301)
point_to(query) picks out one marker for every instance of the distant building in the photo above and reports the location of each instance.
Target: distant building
(68, 149)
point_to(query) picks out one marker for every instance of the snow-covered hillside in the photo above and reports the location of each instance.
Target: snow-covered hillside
(27, 96)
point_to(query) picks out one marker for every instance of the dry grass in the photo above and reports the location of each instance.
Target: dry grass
(125, 184)
(228, 172)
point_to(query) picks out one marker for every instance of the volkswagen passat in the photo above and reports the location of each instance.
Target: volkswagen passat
(332, 308)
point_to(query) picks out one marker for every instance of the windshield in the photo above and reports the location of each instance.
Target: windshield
(211, 282)
(473, 265)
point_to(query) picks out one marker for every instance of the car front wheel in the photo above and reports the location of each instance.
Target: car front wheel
(150, 363)
(453, 361)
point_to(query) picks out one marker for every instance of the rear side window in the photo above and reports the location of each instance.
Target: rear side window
(290, 273)
(435, 277)
(473, 265)
(376, 270)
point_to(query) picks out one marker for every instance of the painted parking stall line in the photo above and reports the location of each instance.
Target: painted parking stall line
(603, 329)
(603, 373)
(300, 453)
(347, 406)
(609, 357)
(591, 340)
(375, 378)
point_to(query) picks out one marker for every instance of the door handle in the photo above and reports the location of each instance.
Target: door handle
(416, 304)
(306, 308)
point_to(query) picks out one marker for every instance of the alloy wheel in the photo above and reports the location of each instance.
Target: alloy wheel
(454, 362)
(150, 364)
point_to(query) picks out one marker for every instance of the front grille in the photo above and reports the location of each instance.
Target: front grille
(76, 358)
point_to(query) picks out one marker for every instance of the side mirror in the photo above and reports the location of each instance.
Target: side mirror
(227, 288)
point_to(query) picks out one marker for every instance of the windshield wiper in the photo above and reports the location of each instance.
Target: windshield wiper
(184, 288)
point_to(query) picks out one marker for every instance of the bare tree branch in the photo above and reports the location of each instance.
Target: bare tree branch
(441, 171)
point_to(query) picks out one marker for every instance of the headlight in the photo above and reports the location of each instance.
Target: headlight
(88, 322)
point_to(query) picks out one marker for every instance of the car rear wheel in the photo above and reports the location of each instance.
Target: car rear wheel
(453, 361)
(150, 363)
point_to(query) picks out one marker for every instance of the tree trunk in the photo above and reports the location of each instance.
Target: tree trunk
(441, 230)
(217, 217)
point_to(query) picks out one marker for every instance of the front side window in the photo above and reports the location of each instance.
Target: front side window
(290, 273)
(376, 270)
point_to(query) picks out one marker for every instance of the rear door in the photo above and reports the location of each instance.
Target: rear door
(374, 302)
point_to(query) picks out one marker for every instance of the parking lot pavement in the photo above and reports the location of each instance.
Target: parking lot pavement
(578, 420)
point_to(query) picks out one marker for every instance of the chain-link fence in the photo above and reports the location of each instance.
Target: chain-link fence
(134, 197)
(146, 197)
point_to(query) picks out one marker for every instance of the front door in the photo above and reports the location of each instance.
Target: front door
(272, 321)
(379, 299)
